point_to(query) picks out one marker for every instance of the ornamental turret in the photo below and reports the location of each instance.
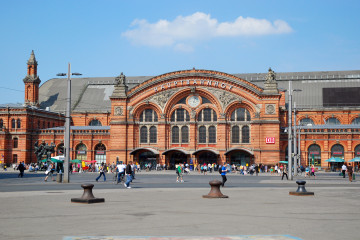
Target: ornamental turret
(32, 82)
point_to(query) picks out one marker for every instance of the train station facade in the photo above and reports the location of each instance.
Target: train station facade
(194, 116)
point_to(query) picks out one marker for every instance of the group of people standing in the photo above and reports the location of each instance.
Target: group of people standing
(121, 171)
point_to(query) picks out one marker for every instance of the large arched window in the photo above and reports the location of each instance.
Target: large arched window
(240, 114)
(185, 134)
(207, 115)
(175, 134)
(153, 134)
(306, 121)
(180, 115)
(245, 134)
(148, 115)
(202, 134)
(143, 134)
(235, 134)
(356, 121)
(337, 151)
(332, 121)
(95, 122)
(18, 123)
(357, 151)
(15, 142)
(212, 134)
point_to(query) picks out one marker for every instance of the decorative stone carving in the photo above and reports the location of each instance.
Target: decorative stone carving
(193, 114)
(222, 115)
(162, 98)
(270, 109)
(118, 111)
(162, 115)
(224, 97)
(257, 114)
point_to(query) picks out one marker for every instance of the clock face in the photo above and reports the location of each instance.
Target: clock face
(194, 101)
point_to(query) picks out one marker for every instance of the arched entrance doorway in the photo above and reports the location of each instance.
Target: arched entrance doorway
(239, 156)
(147, 158)
(100, 153)
(175, 156)
(206, 156)
(314, 156)
(337, 151)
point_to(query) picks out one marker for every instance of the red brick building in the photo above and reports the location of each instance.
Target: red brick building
(187, 116)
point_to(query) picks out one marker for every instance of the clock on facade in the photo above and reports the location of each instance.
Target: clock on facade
(194, 101)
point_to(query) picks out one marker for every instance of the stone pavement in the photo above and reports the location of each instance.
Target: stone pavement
(182, 213)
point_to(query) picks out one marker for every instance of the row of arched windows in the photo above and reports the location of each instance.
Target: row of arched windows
(207, 131)
(329, 121)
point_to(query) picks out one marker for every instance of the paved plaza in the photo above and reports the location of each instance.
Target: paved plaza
(159, 208)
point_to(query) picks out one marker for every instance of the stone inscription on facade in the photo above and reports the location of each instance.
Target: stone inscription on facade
(193, 82)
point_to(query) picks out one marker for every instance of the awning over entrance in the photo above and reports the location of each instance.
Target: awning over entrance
(334, 159)
(176, 150)
(206, 150)
(239, 149)
(146, 149)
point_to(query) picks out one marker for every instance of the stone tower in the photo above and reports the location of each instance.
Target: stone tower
(32, 82)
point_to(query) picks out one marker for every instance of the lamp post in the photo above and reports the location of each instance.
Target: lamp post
(290, 134)
(67, 123)
(295, 145)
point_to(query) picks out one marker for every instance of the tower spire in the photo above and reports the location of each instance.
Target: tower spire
(32, 82)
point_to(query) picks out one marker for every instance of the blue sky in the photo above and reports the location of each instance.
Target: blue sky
(145, 38)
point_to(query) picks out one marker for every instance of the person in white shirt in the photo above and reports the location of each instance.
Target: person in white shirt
(121, 172)
(343, 169)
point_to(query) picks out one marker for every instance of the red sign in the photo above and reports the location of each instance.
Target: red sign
(270, 140)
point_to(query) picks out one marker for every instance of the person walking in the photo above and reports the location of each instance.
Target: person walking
(343, 169)
(21, 169)
(120, 172)
(50, 172)
(284, 173)
(102, 172)
(350, 172)
(179, 174)
(128, 172)
(223, 174)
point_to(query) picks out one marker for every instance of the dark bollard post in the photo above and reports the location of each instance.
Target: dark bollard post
(215, 190)
(87, 196)
(301, 191)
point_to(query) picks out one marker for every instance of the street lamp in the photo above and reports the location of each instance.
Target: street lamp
(295, 150)
(290, 133)
(67, 123)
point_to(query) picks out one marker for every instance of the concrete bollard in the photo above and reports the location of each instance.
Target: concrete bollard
(87, 196)
(301, 191)
(215, 190)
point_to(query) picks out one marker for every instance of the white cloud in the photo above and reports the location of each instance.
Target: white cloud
(182, 32)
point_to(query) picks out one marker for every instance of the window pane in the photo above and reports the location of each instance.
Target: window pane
(200, 116)
(143, 134)
(185, 134)
(15, 143)
(148, 115)
(232, 116)
(306, 121)
(214, 116)
(18, 123)
(356, 121)
(187, 116)
(245, 134)
(333, 121)
(155, 117)
(180, 115)
(248, 117)
(202, 134)
(240, 114)
(172, 119)
(95, 123)
(142, 117)
(207, 115)
(235, 134)
(153, 134)
(212, 134)
(175, 134)
(13, 123)
(1, 123)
